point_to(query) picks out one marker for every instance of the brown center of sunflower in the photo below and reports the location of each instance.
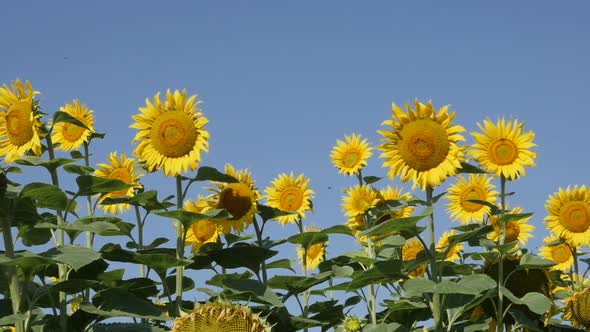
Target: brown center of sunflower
(472, 193)
(560, 253)
(236, 198)
(424, 144)
(121, 174)
(19, 124)
(291, 199)
(174, 134)
(203, 229)
(314, 251)
(575, 216)
(71, 132)
(502, 152)
(351, 159)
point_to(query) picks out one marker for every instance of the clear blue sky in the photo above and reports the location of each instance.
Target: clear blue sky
(281, 81)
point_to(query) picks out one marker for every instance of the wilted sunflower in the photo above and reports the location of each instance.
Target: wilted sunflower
(577, 308)
(560, 253)
(120, 169)
(503, 148)
(171, 135)
(569, 215)
(459, 195)
(68, 135)
(410, 252)
(221, 316)
(238, 198)
(443, 245)
(358, 200)
(20, 122)
(351, 156)
(201, 231)
(421, 144)
(290, 194)
(516, 230)
(315, 252)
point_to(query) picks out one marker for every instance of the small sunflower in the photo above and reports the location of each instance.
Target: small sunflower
(503, 148)
(569, 215)
(358, 200)
(478, 187)
(351, 156)
(443, 244)
(516, 230)
(201, 231)
(559, 253)
(221, 316)
(290, 194)
(119, 168)
(392, 194)
(421, 144)
(171, 135)
(410, 252)
(20, 122)
(577, 308)
(315, 252)
(239, 199)
(352, 324)
(70, 136)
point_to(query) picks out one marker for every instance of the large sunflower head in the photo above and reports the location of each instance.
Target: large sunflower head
(68, 135)
(557, 251)
(516, 230)
(577, 308)
(123, 169)
(410, 252)
(171, 135)
(452, 251)
(461, 194)
(290, 194)
(421, 144)
(569, 215)
(20, 122)
(358, 200)
(201, 231)
(503, 148)
(351, 155)
(238, 198)
(315, 252)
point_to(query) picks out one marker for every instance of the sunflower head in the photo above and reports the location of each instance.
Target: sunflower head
(314, 254)
(452, 251)
(201, 231)
(516, 230)
(290, 194)
(123, 169)
(464, 191)
(351, 155)
(420, 144)
(577, 308)
(558, 251)
(503, 148)
(569, 215)
(171, 135)
(352, 324)
(20, 121)
(410, 252)
(70, 136)
(391, 194)
(358, 200)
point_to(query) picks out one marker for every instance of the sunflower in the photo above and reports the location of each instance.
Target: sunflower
(410, 252)
(201, 231)
(516, 230)
(503, 148)
(351, 156)
(171, 135)
(290, 194)
(315, 252)
(70, 136)
(560, 253)
(120, 169)
(358, 200)
(443, 244)
(239, 199)
(569, 215)
(221, 316)
(392, 194)
(577, 308)
(478, 187)
(421, 144)
(20, 122)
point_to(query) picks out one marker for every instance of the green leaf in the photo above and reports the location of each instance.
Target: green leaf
(155, 243)
(13, 319)
(116, 302)
(91, 185)
(187, 218)
(281, 264)
(371, 179)
(46, 195)
(242, 255)
(407, 225)
(125, 327)
(73, 255)
(382, 271)
(78, 169)
(60, 116)
(342, 271)
(536, 302)
(50, 165)
(160, 262)
(468, 168)
(383, 327)
(470, 285)
(187, 283)
(530, 261)
(254, 289)
(32, 236)
(515, 217)
(206, 173)
(298, 284)
(307, 239)
(72, 286)
(268, 213)
(338, 229)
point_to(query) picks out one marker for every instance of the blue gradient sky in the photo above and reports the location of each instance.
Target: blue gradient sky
(281, 81)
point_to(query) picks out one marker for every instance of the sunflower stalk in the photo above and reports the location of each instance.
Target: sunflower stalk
(180, 234)
(371, 254)
(14, 285)
(139, 238)
(502, 225)
(307, 292)
(259, 230)
(90, 208)
(436, 300)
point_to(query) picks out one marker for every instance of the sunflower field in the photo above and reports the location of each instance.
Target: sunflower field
(223, 272)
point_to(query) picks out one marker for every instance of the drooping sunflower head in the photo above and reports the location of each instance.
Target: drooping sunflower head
(421, 144)
(463, 192)
(577, 308)
(315, 252)
(238, 198)
(201, 231)
(410, 252)
(358, 200)
(503, 148)
(557, 251)
(123, 169)
(290, 194)
(452, 251)
(20, 122)
(171, 135)
(70, 136)
(569, 215)
(516, 230)
(351, 155)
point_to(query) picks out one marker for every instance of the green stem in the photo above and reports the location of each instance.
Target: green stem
(14, 285)
(434, 275)
(576, 267)
(179, 246)
(502, 240)
(259, 239)
(306, 293)
(139, 238)
(371, 254)
(89, 207)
